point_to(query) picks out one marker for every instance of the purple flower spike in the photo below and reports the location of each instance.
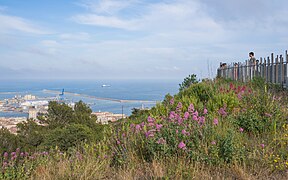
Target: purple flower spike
(202, 120)
(179, 106)
(205, 111)
(191, 108)
(215, 121)
(5, 155)
(172, 115)
(172, 101)
(5, 164)
(159, 126)
(182, 145)
(150, 119)
(184, 132)
(138, 127)
(161, 141)
(186, 115)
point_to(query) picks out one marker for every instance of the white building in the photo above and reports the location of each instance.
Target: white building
(105, 117)
(29, 97)
(32, 113)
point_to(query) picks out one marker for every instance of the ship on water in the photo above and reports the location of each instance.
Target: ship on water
(106, 85)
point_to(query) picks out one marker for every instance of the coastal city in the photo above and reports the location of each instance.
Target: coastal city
(30, 106)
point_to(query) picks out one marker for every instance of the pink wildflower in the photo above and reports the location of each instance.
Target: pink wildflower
(191, 108)
(215, 121)
(5, 155)
(222, 112)
(149, 134)
(213, 142)
(201, 120)
(172, 101)
(138, 127)
(150, 119)
(182, 145)
(179, 107)
(132, 126)
(158, 126)
(239, 96)
(186, 115)
(161, 141)
(205, 111)
(151, 124)
(195, 118)
(172, 115)
(184, 132)
(262, 145)
(4, 164)
(195, 113)
(241, 129)
(180, 120)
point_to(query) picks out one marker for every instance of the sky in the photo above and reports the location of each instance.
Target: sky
(135, 39)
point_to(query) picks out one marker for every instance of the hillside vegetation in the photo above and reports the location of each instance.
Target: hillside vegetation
(213, 129)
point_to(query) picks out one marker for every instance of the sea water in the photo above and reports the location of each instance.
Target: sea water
(147, 90)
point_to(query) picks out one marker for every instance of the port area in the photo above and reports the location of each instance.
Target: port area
(20, 108)
(27, 105)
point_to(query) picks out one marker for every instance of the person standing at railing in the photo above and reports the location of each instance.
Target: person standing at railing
(252, 65)
(252, 59)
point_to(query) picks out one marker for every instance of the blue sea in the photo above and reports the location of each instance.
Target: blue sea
(149, 90)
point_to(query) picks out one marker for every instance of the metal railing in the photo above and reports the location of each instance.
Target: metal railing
(273, 69)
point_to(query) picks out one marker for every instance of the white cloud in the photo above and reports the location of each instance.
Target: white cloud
(81, 36)
(49, 43)
(98, 20)
(107, 6)
(19, 24)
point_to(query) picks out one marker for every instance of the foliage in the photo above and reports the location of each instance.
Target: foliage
(59, 115)
(69, 136)
(8, 141)
(188, 81)
(31, 133)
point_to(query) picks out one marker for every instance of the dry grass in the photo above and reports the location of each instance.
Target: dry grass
(173, 168)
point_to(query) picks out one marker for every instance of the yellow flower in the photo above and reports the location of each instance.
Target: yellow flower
(275, 161)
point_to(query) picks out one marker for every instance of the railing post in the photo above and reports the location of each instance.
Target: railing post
(281, 75)
(272, 69)
(276, 69)
(261, 68)
(286, 70)
(268, 70)
(265, 70)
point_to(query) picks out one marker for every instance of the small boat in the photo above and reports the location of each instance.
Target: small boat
(105, 85)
